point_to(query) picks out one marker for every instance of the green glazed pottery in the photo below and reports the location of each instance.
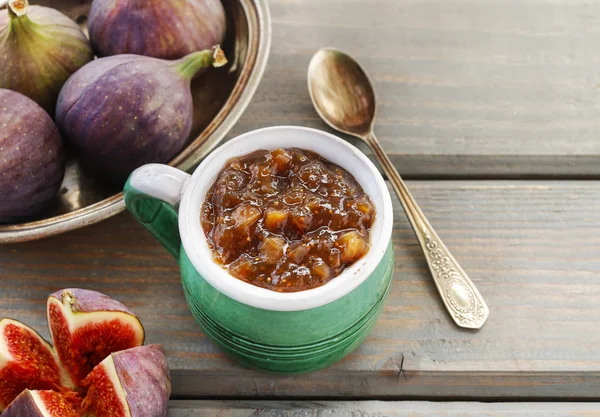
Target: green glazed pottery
(260, 328)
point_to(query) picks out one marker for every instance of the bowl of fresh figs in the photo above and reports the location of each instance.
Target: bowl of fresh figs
(92, 89)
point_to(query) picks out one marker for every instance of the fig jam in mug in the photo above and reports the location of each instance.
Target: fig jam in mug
(283, 237)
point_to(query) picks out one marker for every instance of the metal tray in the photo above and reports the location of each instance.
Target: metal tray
(220, 97)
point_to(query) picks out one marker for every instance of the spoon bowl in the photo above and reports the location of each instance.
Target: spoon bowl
(341, 91)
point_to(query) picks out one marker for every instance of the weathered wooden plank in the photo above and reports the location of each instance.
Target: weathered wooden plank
(493, 88)
(530, 247)
(467, 88)
(377, 408)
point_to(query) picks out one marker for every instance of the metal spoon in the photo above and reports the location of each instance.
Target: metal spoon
(345, 99)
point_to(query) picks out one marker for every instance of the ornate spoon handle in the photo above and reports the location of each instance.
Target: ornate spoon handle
(464, 303)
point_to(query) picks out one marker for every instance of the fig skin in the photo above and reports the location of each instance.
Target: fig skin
(32, 404)
(125, 111)
(32, 159)
(165, 29)
(142, 383)
(40, 50)
(24, 405)
(88, 301)
(145, 366)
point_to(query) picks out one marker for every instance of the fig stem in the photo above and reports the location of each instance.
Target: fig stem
(69, 297)
(188, 66)
(17, 8)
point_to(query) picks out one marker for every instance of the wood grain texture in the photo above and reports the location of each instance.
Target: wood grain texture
(467, 88)
(379, 409)
(479, 88)
(530, 247)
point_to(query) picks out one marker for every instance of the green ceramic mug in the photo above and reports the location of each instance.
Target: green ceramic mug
(280, 332)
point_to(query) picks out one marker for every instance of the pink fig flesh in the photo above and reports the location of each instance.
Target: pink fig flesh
(131, 383)
(87, 326)
(26, 361)
(42, 404)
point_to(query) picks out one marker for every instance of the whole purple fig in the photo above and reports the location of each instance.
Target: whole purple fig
(125, 111)
(167, 29)
(31, 157)
(39, 49)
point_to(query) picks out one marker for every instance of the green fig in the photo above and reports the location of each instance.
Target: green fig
(39, 50)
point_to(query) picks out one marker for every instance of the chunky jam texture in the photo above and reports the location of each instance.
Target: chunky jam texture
(90, 344)
(34, 366)
(286, 219)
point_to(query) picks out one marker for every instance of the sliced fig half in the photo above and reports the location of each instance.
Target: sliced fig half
(42, 404)
(131, 383)
(27, 361)
(87, 326)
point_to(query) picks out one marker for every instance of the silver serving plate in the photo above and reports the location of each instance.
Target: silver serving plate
(220, 98)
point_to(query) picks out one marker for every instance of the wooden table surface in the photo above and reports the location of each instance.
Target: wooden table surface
(531, 247)
(378, 409)
(467, 88)
(492, 108)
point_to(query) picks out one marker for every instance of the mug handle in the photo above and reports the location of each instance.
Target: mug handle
(152, 195)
